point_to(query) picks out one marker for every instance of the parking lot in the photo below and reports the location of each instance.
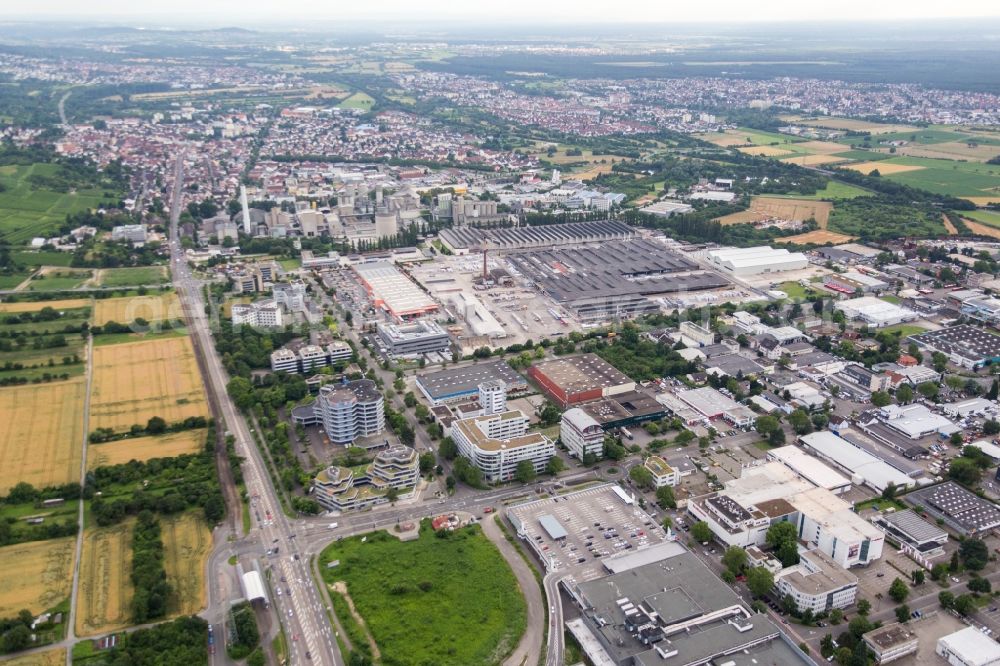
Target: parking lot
(597, 524)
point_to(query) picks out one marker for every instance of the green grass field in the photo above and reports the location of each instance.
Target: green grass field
(130, 277)
(11, 280)
(26, 212)
(358, 100)
(989, 217)
(795, 291)
(959, 179)
(40, 258)
(60, 279)
(863, 155)
(435, 600)
(834, 190)
(904, 330)
(762, 138)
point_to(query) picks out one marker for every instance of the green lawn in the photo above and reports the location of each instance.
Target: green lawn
(989, 217)
(129, 277)
(435, 600)
(795, 291)
(61, 279)
(762, 138)
(11, 280)
(950, 177)
(358, 100)
(905, 330)
(26, 212)
(290, 264)
(889, 298)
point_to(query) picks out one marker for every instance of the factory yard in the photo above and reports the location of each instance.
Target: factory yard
(138, 380)
(35, 575)
(48, 417)
(145, 448)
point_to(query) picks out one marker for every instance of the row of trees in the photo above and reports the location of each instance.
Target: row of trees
(149, 577)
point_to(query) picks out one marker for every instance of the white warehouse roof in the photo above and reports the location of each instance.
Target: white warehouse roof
(970, 646)
(810, 468)
(875, 311)
(871, 470)
(253, 587)
(765, 258)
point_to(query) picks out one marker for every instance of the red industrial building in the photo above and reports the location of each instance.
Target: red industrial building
(576, 379)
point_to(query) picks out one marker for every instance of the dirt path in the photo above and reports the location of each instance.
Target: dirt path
(340, 587)
(530, 646)
(981, 229)
(951, 228)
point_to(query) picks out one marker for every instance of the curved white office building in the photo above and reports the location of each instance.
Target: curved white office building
(346, 411)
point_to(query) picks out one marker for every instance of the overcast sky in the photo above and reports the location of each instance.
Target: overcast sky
(237, 12)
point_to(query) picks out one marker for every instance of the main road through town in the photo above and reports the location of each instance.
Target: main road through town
(304, 617)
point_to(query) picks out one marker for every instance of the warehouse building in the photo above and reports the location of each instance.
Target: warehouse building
(453, 385)
(852, 282)
(673, 610)
(462, 240)
(422, 336)
(968, 647)
(393, 292)
(575, 379)
(912, 531)
(810, 468)
(960, 509)
(711, 404)
(749, 261)
(875, 312)
(916, 421)
(965, 345)
(817, 583)
(863, 467)
(346, 411)
(496, 443)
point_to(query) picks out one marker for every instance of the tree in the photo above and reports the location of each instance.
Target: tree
(525, 471)
(612, 449)
(965, 604)
(826, 643)
(982, 585)
(156, 426)
(929, 390)
(760, 581)
(836, 616)
(946, 599)
(918, 576)
(448, 449)
(641, 476)
(665, 497)
(392, 494)
(701, 532)
(902, 613)
(779, 533)
(864, 606)
(427, 462)
(766, 425)
(904, 394)
(881, 399)
(991, 427)
(965, 471)
(939, 571)
(974, 554)
(554, 465)
(889, 492)
(898, 590)
(734, 559)
(799, 420)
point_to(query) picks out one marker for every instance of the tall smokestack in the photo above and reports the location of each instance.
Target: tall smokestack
(246, 210)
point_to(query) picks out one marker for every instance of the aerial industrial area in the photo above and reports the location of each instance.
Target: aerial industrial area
(369, 349)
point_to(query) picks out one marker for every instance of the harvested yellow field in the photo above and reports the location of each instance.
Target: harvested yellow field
(983, 201)
(135, 381)
(981, 229)
(594, 171)
(36, 575)
(852, 124)
(158, 307)
(41, 433)
(187, 542)
(764, 151)
(105, 593)
(883, 168)
(762, 208)
(818, 237)
(821, 147)
(952, 150)
(55, 657)
(814, 160)
(35, 306)
(723, 140)
(949, 227)
(145, 448)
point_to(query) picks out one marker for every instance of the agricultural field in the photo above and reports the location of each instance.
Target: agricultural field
(135, 381)
(990, 217)
(743, 136)
(27, 212)
(38, 258)
(132, 277)
(972, 180)
(49, 417)
(36, 575)
(850, 124)
(105, 593)
(814, 160)
(154, 307)
(187, 542)
(834, 190)
(145, 448)
(815, 237)
(52, 278)
(56, 657)
(765, 151)
(457, 589)
(762, 208)
(883, 167)
(34, 349)
(35, 306)
(358, 100)
(982, 229)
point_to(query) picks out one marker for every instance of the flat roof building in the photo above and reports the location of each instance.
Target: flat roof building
(462, 240)
(711, 404)
(462, 383)
(496, 443)
(864, 468)
(748, 261)
(965, 345)
(916, 421)
(891, 642)
(812, 469)
(962, 510)
(968, 647)
(817, 583)
(392, 291)
(875, 312)
(913, 531)
(574, 379)
(422, 336)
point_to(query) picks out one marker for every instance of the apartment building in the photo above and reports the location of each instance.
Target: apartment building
(496, 443)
